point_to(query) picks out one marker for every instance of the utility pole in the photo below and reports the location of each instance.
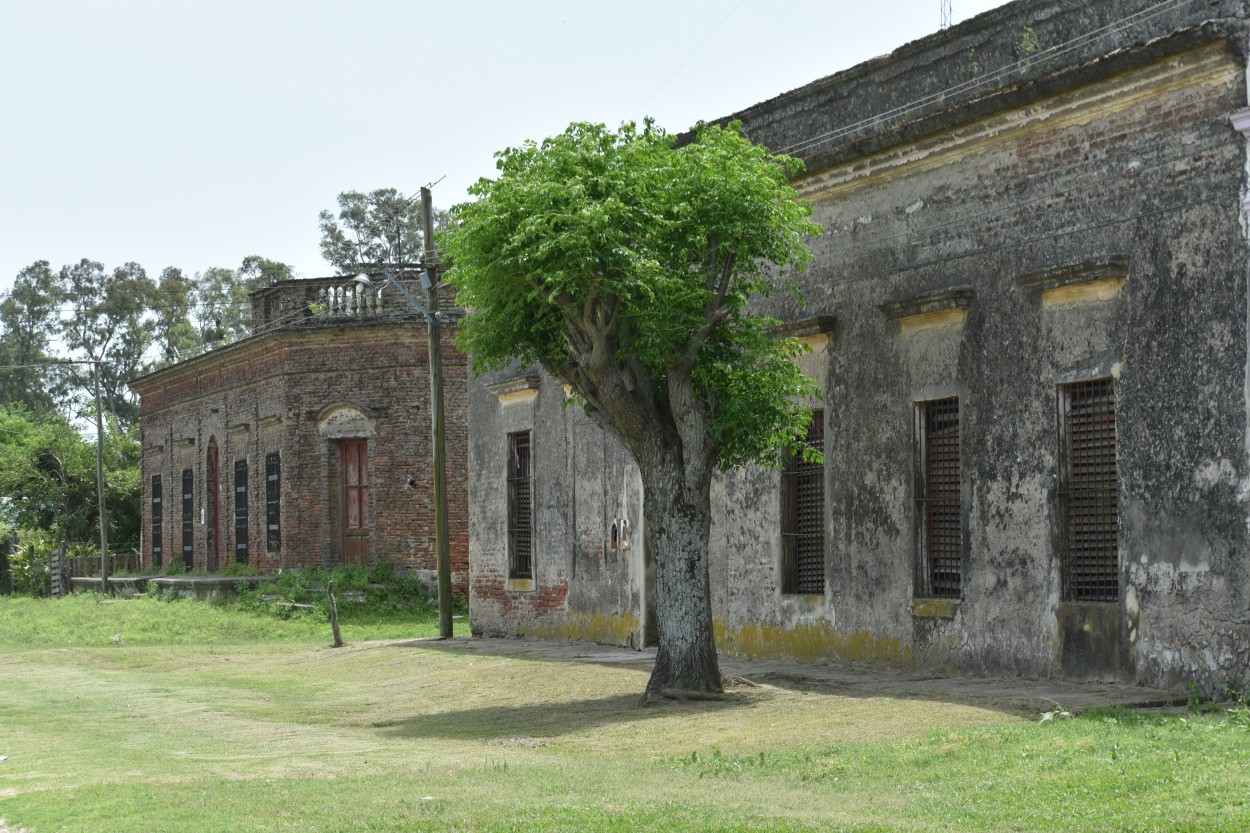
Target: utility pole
(429, 280)
(442, 545)
(99, 482)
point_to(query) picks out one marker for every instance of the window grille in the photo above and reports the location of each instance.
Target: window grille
(158, 539)
(520, 507)
(1088, 492)
(938, 505)
(273, 502)
(803, 517)
(240, 511)
(188, 519)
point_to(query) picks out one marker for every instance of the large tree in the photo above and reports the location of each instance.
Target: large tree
(625, 263)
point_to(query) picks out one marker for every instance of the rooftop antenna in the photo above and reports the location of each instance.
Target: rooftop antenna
(946, 13)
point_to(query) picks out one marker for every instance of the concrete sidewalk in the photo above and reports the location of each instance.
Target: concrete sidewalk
(1017, 696)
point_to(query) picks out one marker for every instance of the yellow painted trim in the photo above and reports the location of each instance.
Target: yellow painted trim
(1101, 290)
(518, 397)
(934, 608)
(913, 324)
(817, 342)
(520, 585)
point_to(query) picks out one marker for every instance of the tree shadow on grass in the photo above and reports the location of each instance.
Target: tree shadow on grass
(1017, 697)
(513, 725)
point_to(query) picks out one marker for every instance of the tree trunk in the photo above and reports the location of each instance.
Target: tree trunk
(677, 517)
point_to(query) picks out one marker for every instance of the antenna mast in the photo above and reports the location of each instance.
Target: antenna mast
(946, 13)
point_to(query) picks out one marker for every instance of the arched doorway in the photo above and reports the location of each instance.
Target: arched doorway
(348, 429)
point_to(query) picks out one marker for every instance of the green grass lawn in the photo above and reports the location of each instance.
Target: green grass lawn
(209, 718)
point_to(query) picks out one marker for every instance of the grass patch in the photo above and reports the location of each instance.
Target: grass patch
(398, 610)
(286, 734)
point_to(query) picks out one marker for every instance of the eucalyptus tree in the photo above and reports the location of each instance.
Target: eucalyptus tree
(625, 263)
(378, 227)
(105, 318)
(173, 303)
(29, 322)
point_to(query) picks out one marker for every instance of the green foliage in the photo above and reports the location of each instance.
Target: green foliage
(48, 474)
(380, 227)
(631, 247)
(107, 322)
(29, 321)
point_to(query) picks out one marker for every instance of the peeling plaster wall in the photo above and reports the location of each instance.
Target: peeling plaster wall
(584, 586)
(1117, 151)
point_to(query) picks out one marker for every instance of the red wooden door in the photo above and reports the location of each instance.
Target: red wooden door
(354, 500)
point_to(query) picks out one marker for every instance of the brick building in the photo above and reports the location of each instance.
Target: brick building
(1029, 320)
(307, 443)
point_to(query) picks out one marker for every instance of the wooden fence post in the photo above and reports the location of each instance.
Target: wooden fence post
(334, 616)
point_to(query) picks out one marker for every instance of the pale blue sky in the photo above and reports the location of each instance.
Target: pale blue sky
(192, 135)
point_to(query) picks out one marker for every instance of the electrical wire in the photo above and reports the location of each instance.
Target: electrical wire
(811, 143)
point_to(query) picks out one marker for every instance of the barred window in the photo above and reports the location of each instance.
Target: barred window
(803, 516)
(1088, 492)
(188, 519)
(520, 507)
(273, 502)
(240, 511)
(939, 512)
(158, 538)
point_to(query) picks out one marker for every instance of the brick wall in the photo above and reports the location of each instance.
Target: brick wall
(267, 394)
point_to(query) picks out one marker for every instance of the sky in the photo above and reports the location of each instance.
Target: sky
(195, 134)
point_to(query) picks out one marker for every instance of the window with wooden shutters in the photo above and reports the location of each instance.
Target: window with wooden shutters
(520, 507)
(240, 511)
(158, 538)
(803, 517)
(1088, 492)
(188, 519)
(938, 510)
(273, 502)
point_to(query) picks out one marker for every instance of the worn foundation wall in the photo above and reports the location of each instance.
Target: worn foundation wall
(296, 392)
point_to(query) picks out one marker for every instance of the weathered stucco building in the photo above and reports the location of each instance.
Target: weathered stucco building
(1028, 315)
(306, 444)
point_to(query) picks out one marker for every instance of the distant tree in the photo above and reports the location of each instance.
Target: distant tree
(107, 320)
(29, 322)
(223, 311)
(173, 303)
(382, 226)
(625, 264)
(256, 272)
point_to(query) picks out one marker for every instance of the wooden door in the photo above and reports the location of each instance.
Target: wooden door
(354, 500)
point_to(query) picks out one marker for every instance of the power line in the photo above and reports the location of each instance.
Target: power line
(879, 120)
(682, 65)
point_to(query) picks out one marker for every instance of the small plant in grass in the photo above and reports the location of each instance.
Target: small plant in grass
(237, 569)
(1057, 713)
